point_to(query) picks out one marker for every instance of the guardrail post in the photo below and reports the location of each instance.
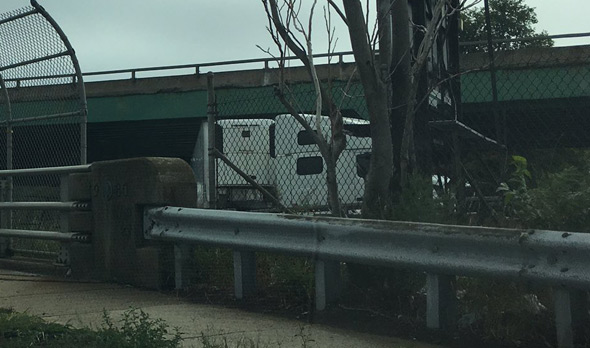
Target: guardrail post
(184, 270)
(244, 274)
(120, 191)
(571, 315)
(441, 302)
(327, 283)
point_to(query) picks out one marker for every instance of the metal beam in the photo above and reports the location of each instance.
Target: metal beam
(46, 171)
(533, 255)
(45, 235)
(42, 118)
(55, 206)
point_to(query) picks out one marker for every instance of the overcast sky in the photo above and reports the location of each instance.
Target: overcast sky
(115, 34)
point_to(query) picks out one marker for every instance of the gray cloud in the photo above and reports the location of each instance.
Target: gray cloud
(113, 34)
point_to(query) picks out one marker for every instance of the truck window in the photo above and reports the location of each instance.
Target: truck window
(363, 161)
(304, 138)
(310, 165)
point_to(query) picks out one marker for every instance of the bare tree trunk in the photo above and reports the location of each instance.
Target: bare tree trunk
(400, 80)
(332, 184)
(377, 198)
(407, 154)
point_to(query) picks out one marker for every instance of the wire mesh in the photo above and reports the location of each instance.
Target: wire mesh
(273, 148)
(542, 96)
(42, 113)
(535, 101)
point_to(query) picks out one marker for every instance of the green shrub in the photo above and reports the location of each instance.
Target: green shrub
(135, 330)
(290, 279)
(559, 200)
(417, 202)
(214, 266)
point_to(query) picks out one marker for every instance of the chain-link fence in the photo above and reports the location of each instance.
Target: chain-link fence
(535, 101)
(42, 113)
(510, 115)
(531, 98)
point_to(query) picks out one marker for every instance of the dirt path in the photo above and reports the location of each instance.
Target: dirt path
(83, 304)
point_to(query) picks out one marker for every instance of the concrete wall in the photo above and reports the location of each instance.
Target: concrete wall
(120, 191)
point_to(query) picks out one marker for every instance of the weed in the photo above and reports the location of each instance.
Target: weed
(290, 278)
(214, 266)
(135, 330)
(221, 340)
(305, 336)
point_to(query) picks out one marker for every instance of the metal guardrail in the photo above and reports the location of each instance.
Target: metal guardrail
(46, 235)
(196, 67)
(550, 257)
(558, 259)
(55, 206)
(65, 206)
(45, 171)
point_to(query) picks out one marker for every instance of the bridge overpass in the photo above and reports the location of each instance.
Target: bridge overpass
(544, 96)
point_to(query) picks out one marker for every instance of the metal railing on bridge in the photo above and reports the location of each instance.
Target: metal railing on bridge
(340, 57)
(8, 229)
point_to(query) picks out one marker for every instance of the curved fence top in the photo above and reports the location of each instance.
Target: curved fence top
(35, 53)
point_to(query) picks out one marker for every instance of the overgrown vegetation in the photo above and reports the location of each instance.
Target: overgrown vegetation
(557, 200)
(134, 330)
(288, 279)
(504, 311)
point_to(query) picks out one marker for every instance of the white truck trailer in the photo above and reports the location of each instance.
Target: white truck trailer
(282, 157)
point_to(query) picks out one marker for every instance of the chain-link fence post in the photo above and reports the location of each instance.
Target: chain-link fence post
(211, 116)
(4, 220)
(6, 185)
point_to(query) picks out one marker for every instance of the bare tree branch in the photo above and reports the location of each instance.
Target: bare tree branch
(385, 33)
(331, 149)
(338, 11)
